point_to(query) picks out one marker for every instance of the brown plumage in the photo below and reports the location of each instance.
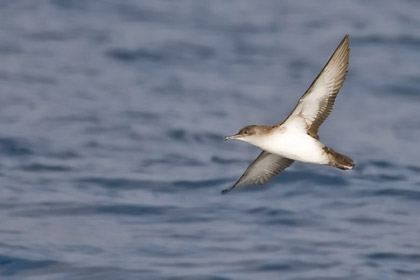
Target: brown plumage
(338, 160)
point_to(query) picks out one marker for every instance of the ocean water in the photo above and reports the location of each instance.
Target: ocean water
(112, 159)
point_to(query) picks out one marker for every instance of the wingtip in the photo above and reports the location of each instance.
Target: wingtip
(347, 40)
(227, 190)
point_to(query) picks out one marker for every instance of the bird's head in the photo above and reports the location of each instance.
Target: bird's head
(250, 134)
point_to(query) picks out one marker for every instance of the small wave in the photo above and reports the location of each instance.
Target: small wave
(392, 177)
(289, 266)
(14, 147)
(40, 167)
(53, 209)
(381, 163)
(10, 266)
(200, 183)
(369, 221)
(154, 185)
(9, 49)
(394, 256)
(171, 52)
(402, 40)
(198, 137)
(406, 194)
(221, 160)
(135, 55)
(382, 171)
(275, 217)
(315, 178)
(122, 183)
(268, 211)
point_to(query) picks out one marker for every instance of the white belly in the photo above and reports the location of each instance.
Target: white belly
(297, 146)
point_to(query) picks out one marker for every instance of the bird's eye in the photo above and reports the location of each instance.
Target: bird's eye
(246, 132)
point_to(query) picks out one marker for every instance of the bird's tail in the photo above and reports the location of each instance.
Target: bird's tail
(338, 160)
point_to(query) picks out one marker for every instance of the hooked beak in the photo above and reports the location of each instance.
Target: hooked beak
(236, 136)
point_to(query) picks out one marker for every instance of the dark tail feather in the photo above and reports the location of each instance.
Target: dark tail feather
(340, 161)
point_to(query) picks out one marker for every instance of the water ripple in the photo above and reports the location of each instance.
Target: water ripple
(10, 266)
(389, 256)
(83, 210)
(406, 194)
(14, 147)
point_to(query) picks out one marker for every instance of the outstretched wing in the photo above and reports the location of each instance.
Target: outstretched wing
(317, 102)
(262, 169)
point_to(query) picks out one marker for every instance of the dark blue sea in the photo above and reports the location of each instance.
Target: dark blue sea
(112, 159)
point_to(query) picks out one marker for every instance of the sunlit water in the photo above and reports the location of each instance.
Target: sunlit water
(112, 118)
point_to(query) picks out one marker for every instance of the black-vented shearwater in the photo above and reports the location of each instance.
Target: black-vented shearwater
(297, 137)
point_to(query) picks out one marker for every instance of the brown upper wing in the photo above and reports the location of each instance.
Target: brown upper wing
(317, 102)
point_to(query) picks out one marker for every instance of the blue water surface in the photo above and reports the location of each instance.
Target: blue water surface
(112, 159)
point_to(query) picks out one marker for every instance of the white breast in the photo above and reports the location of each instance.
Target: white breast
(294, 145)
